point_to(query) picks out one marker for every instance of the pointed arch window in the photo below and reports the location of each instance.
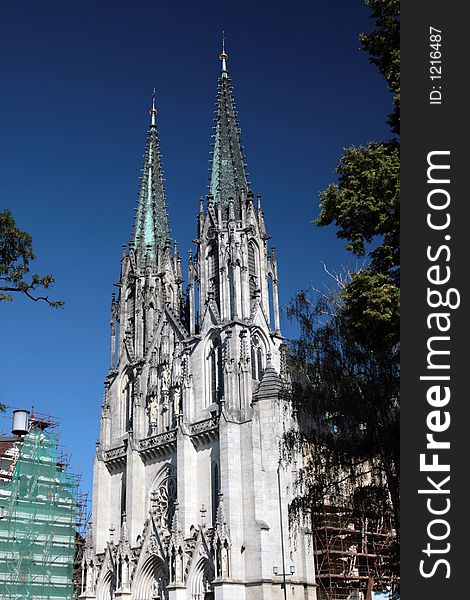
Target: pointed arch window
(130, 311)
(214, 489)
(214, 370)
(148, 325)
(125, 417)
(257, 358)
(253, 268)
(163, 497)
(213, 272)
(123, 492)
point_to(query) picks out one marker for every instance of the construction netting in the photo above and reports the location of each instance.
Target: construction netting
(37, 532)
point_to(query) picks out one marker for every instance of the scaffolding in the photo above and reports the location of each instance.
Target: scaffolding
(37, 533)
(354, 557)
(83, 522)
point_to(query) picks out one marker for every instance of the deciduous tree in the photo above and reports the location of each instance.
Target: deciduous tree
(16, 254)
(345, 364)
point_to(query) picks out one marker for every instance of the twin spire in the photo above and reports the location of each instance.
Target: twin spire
(228, 176)
(151, 230)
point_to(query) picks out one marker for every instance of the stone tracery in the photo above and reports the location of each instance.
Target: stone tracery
(196, 417)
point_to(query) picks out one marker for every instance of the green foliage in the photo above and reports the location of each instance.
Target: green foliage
(372, 307)
(345, 397)
(16, 253)
(345, 364)
(365, 202)
(383, 46)
(346, 400)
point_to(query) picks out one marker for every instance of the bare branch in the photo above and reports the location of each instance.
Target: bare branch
(53, 303)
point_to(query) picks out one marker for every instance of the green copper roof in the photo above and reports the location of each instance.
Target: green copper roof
(151, 221)
(228, 174)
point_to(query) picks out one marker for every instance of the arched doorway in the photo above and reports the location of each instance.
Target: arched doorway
(201, 581)
(152, 580)
(105, 588)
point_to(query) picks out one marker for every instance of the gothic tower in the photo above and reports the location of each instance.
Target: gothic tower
(189, 496)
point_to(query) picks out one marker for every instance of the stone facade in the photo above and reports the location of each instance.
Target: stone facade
(188, 487)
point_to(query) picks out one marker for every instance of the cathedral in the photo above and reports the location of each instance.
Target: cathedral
(190, 496)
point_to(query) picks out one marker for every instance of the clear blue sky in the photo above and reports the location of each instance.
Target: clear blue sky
(76, 86)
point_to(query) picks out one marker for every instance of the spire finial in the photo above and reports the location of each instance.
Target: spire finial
(153, 110)
(223, 55)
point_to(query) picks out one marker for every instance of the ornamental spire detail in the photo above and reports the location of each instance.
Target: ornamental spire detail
(228, 175)
(151, 229)
(223, 56)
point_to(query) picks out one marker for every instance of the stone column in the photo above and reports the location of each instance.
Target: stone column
(192, 310)
(245, 289)
(101, 503)
(136, 502)
(177, 591)
(186, 469)
(229, 590)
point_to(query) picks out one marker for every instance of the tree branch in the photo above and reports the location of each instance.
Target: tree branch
(53, 303)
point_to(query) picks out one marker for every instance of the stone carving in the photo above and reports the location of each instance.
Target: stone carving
(165, 341)
(114, 453)
(153, 412)
(167, 437)
(153, 545)
(177, 400)
(165, 499)
(165, 379)
(203, 426)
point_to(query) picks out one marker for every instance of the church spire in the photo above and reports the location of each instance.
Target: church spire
(223, 56)
(228, 175)
(151, 223)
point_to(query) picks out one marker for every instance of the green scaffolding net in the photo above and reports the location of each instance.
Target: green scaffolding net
(37, 533)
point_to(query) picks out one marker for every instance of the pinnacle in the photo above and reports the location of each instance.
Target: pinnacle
(151, 228)
(270, 384)
(228, 174)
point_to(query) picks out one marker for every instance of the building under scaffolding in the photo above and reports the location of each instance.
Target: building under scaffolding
(354, 558)
(38, 528)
